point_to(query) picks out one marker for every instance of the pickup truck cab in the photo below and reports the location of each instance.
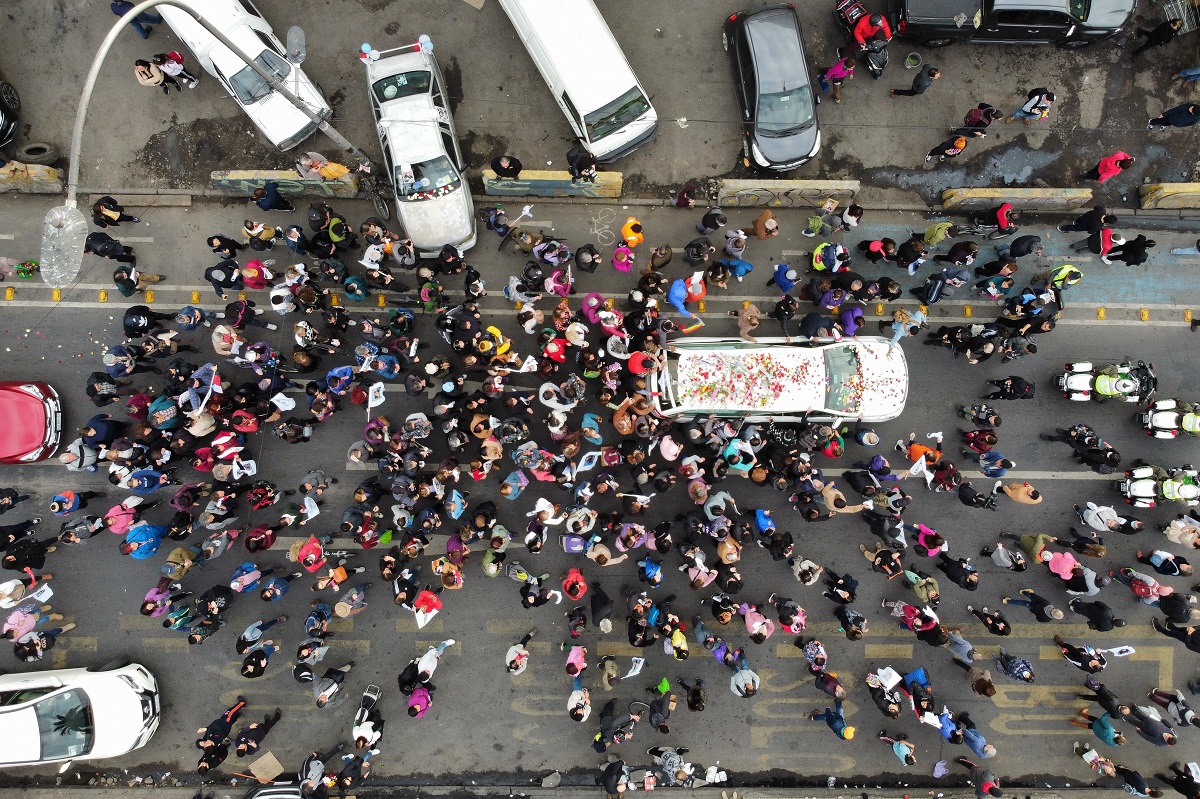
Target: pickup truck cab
(1066, 23)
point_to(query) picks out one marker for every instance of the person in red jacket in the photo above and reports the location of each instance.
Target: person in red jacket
(872, 27)
(1109, 167)
(1100, 242)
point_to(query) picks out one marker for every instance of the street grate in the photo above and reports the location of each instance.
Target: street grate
(1185, 10)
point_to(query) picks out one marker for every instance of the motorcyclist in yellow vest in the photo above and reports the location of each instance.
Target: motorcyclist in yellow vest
(1064, 276)
(1190, 423)
(1113, 386)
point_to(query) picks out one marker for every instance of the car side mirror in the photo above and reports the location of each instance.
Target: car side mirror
(65, 766)
(1071, 30)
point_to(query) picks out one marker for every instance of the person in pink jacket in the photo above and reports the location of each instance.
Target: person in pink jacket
(758, 626)
(1109, 167)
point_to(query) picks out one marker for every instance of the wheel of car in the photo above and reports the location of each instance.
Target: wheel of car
(943, 42)
(36, 153)
(1074, 44)
(9, 96)
(724, 42)
(112, 665)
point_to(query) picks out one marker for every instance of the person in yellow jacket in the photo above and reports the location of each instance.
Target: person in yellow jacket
(631, 232)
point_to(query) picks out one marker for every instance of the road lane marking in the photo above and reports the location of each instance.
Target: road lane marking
(813, 763)
(409, 625)
(889, 651)
(70, 645)
(1025, 724)
(539, 705)
(7, 236)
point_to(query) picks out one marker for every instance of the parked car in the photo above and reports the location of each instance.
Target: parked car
(774, 91)
(420, 148)
(1066, 23)
(10, 106)
(30, 421)
(76, 714)
(243, 24)
(772, 380)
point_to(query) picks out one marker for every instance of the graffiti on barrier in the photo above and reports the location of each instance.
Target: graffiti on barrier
(546, 183)
(245, 182)
(785, 193)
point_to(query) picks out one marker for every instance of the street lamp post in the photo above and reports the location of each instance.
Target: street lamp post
(65, 227)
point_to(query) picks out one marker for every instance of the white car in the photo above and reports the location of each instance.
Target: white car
(76, 714)
(243, 24)
(731, 377)
(420, 148)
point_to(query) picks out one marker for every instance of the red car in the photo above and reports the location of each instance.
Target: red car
(30, 421)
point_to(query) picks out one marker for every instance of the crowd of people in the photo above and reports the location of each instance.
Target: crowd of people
(596, 457)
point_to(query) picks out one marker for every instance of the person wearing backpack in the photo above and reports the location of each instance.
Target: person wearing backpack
(977, 120)
(172, 64)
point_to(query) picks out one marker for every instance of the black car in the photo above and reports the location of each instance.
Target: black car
(774, 91)
(10, 104)
(1066, 23)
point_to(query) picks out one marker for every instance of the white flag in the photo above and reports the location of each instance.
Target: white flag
(375, 395)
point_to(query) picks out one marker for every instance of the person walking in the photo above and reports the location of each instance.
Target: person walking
(1181, 116)
(141, 22)
(1134, 252)
(172, 65)
(921, 83)
(1100, 725)
(1036, 107)
(835, 76)
(107, 212)
(1092, 221)
(1042, 609)
(977, 120)
(507, 167)
(950, 148)
(105, 246)
(1109, 167)
(1182, 781)
(214, 739)
(1161, 34)
(835, 720)
(31, 647)
(148, 74)
(268, 198)
(517, 658)
(986, 783)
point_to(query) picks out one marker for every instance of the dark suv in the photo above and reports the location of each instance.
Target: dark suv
(10, 104)
(1066, 23)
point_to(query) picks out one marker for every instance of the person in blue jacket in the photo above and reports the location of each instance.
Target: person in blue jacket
(143, 540)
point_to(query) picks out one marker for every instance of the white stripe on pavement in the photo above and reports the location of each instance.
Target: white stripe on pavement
(7, 236)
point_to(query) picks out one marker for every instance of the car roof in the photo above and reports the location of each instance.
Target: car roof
(410, 122)
(922, 9)
(774, 36)
(20, 738)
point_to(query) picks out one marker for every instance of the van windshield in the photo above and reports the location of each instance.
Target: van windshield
(616, 115)
(426, 180)
(250, 86)
(785, 111)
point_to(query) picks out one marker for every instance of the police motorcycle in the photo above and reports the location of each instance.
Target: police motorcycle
(1168, 418)
(1146, 486)
(1082, 381)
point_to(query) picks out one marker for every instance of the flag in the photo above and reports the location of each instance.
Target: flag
(375, 395)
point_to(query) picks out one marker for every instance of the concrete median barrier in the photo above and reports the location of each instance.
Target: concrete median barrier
(785, 193)
(1064, 200)
(1169, 196)
(552, 183)
(245, 181)
(30, 178)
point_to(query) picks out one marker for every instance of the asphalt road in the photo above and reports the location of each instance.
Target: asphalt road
(137, 137)
(486, 725)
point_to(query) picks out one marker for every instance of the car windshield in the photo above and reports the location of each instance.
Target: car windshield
(785, 111)
(406, 84)
(250, 86)
(65, 725)
(843, 386)
(426, 180)
(616, 115)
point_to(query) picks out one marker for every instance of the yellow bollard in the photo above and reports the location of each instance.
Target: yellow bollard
(10, 293)
(702, 306)
(1187, 316)
(924, 309)
(195, 297)
(149, 295)
(1101, 314)
(1144, 314)
(335, 300)
(381, 301)
(103, 295)
(56, 295)
(968, 311)
(879, 309)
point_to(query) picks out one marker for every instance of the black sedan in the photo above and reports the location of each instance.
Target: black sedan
(779, 113)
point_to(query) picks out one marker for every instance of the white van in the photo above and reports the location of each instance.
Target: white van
(587, 73)
(243, 24)
(820, 379)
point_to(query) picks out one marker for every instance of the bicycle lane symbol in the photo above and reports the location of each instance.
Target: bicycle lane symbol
(601, 229)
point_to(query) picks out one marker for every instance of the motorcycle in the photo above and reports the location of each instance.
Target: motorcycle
(1082, 381)
(874, 54)
(1146, 486)
(1168, 418)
